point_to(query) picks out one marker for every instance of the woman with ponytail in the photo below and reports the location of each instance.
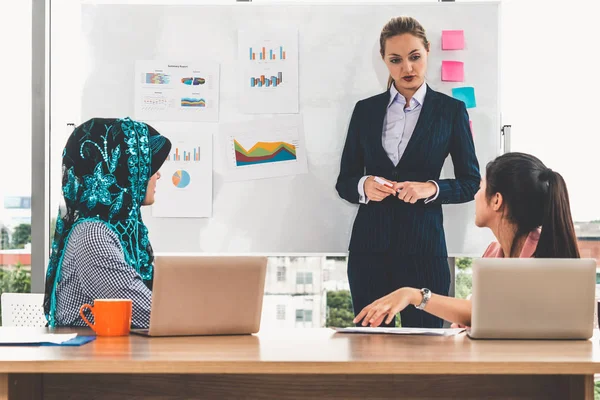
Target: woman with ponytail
(396, 146)
(526, 205)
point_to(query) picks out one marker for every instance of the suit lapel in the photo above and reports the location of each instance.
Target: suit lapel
(379, 111)
(428, 113)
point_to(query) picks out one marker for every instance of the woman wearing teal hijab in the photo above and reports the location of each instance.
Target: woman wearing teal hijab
(101, 247)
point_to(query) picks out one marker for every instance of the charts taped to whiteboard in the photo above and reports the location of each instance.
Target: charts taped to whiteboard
(265, 148)
(175, 91)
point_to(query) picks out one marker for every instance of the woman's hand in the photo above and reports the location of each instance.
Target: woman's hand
(410, 192)
(376, 191)
(389, 305)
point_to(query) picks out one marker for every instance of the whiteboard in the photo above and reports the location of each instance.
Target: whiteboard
(339, 64)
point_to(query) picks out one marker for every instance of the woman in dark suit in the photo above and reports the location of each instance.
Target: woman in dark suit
(395, 149)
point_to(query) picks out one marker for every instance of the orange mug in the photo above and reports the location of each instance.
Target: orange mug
(112, 317)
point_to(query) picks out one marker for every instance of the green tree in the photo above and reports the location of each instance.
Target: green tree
(339, 309)
(21, 236)
(17, 280)
(339, 299)
(3, 278)
(464, 284)
(463, 263)
(4, 239)
(339, 318)
(20, 280)
(52, 230)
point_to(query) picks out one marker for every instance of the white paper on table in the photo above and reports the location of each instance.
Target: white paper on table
(9, 335)
(403, 331)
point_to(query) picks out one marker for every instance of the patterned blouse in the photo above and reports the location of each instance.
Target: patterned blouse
(94, 267)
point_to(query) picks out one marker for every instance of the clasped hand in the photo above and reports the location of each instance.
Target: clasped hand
(409, 192)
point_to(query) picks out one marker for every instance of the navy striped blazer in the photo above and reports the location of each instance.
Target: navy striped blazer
(417, 229)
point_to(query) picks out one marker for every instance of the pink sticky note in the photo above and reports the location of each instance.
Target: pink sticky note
(453, 71)
(453, 40)
(471, 126)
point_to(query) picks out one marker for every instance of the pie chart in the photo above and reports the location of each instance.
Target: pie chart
(181, 178)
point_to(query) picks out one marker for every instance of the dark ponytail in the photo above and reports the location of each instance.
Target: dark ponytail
(557, 239)
(534, 196)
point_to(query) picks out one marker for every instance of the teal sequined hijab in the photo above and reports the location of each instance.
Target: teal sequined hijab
(107, 164)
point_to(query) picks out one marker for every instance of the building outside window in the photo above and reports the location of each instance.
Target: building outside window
(281, 271)
(280, 312)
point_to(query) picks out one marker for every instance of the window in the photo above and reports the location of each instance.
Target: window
(21, 202)
(524, 70)
(68, 74)
(280, 312)
(281, 274)
(301, 300)
(308, 278)
(307, 315)
(15, 152)
(304, 278)
(303, 315)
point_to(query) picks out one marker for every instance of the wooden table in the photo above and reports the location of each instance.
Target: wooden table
(302, 364)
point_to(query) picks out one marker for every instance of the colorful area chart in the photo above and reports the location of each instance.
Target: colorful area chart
(192, 102)
(156, 78)
(181, 178)
(264, 152)
(193, 81)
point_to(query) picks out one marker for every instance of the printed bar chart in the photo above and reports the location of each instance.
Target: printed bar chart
(263, 81)
(273, 54)
(185, 155)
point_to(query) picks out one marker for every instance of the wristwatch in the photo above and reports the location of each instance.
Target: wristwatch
(426, 296)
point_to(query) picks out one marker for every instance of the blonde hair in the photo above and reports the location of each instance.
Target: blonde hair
(399, 26)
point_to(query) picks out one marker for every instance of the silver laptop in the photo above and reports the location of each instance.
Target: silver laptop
(200, 295)
(529, 298)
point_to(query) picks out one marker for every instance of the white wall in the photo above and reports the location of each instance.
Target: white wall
(550, 87)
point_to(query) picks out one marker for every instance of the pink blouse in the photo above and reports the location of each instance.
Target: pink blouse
(494, 250)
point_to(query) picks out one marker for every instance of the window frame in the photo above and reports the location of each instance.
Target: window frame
(40, 142)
